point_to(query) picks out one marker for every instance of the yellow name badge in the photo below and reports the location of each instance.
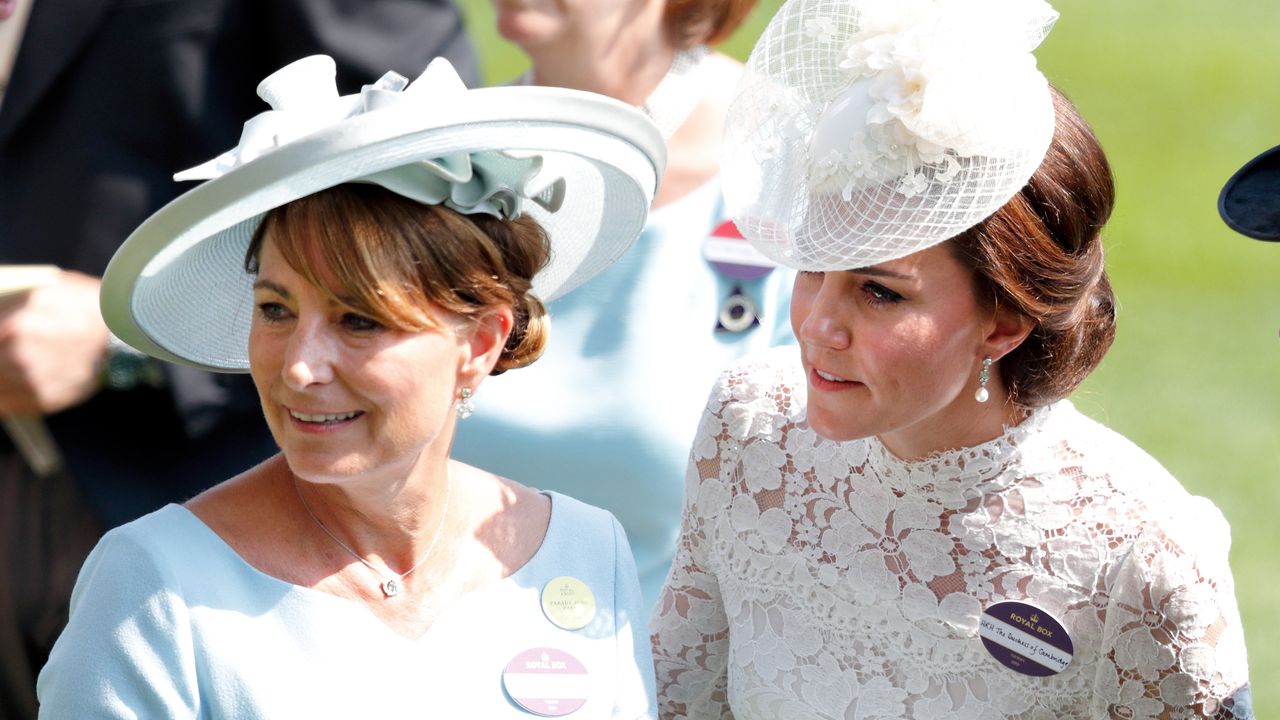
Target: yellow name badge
(568, 603)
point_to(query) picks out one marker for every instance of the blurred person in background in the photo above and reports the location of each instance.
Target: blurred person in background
(608, 414)
(102, 101)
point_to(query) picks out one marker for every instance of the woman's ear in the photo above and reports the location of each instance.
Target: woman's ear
(483, 339)
(1007, 331)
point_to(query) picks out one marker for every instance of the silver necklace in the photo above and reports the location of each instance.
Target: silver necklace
(391, 584)
(677, 93)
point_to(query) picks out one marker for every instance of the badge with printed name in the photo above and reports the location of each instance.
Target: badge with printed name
(732, 256)
(1025, 638)
(736, 259)
(546, 681)
(568, 603)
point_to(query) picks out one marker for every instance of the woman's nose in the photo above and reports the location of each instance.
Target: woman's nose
(309, 356)
(826, 324)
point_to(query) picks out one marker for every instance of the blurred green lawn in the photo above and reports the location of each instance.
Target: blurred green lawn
(1181, 93)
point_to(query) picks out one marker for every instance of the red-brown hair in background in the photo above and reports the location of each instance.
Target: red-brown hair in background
(691, 22)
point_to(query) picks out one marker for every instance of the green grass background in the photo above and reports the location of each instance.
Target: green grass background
(1181, 93)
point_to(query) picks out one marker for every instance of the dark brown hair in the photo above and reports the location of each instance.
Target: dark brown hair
(691, 22)
(394, 258)
(1041, 255)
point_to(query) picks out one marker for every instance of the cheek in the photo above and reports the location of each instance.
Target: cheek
(916, 358)
(801, 303)
(264, 358)
(413, 393)
(933, 360)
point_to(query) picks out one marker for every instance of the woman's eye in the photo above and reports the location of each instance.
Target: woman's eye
(272, 311)
(879, 294)
(360, 323)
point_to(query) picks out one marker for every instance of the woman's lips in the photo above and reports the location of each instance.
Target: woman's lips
(823, 380)
(322, 421)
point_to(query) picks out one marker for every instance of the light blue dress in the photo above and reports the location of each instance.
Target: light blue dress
(167, 621)
(608, 413)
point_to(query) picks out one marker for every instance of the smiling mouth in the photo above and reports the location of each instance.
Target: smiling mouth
(324, 419)
(828, 376)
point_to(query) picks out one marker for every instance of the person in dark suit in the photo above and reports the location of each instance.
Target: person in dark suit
(104, 101)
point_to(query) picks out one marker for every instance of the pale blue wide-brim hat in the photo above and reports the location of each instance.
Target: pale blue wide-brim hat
(585, 166)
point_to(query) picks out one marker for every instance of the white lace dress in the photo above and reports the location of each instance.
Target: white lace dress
(816, 579)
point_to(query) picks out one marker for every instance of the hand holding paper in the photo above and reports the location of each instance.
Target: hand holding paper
(51, 339)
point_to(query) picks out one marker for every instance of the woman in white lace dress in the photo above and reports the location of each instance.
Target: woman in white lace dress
(905, 520)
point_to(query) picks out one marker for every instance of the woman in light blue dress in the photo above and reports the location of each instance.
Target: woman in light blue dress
(369, 260)
(608, 414)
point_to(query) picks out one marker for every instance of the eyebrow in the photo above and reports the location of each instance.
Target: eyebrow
(282, 292)
(273, 287)
(880, 272)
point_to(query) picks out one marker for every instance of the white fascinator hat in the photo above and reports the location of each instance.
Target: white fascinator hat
(866, 130)
(583, 165)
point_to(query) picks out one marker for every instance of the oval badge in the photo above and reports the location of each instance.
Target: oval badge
(1025, 638)
(546, 681)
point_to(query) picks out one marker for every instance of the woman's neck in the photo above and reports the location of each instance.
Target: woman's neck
(395, 521)
(965, 424)
(628, 69)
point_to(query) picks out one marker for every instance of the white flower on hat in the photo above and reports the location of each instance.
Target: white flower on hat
(883, 25)
(865, 130)
(931, 67)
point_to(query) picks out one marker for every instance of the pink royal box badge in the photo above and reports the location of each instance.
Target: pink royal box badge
(547, 681)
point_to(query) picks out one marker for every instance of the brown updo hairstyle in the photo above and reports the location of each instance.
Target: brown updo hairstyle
(1041, 255)
(392, 258)
(691, 22)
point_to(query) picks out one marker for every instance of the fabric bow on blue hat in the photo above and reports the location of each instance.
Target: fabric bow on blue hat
(304, 99)
(583, 166)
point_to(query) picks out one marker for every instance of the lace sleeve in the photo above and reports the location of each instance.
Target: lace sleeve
(1173, 646)
(690, 631)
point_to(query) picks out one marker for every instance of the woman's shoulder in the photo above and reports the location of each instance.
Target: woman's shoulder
(164, 534)
(145, 566)
(580, 527)
(587, 543)
(1134, 484)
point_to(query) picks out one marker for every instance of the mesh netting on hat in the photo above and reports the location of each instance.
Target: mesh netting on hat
(866, 130)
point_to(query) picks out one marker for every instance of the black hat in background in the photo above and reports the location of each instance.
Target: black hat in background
(1250, 201)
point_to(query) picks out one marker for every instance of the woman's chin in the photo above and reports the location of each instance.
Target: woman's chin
(841, 424)
(332, 471)
(524, 28)
(835, 428)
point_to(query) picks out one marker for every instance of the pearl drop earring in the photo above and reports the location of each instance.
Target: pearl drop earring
(983, 376)
(465, 407)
